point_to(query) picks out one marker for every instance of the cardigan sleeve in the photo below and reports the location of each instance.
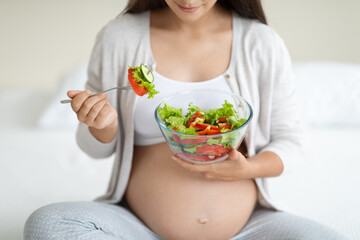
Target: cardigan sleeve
(85, 140)
(277, 94)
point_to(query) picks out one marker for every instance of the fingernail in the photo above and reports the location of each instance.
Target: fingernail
(173, 158)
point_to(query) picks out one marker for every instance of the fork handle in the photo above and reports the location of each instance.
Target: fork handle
(120, 88)
(66, 101)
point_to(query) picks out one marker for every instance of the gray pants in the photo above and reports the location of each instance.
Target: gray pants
(92, 220)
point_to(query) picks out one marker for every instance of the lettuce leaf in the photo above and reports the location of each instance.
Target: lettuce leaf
(236, 123)
(190, 149)
(192, 109)
(184, 129)
(227, 140)
(175, 121)
(168, 111)
(227, 110)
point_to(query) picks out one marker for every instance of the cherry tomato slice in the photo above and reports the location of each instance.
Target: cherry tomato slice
(139, 90)
(194, 140)
(212, 150)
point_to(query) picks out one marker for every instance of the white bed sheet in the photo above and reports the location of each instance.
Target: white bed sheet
(40, 167)
(326, 187)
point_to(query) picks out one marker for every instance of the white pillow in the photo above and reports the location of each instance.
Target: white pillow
(329, 93)
(21, 107)
(61, 116)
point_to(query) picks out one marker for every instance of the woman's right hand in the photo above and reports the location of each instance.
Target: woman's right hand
(96, 112)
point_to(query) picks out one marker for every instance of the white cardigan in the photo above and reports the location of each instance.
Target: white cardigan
(260, 71)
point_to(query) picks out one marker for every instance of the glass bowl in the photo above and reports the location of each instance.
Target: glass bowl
(205, 149)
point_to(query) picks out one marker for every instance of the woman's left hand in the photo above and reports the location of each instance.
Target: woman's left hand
(234, 168)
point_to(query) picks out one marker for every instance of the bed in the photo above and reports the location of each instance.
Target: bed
(40, 162)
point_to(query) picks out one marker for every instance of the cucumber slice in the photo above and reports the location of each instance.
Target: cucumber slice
(147, 73)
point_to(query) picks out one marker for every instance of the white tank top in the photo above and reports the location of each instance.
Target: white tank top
(147, 131)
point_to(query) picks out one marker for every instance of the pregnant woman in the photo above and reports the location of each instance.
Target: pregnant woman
(152, 194)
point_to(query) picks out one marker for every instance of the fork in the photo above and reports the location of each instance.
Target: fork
(118, 88)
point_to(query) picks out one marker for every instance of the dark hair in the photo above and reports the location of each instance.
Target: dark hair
(246, 8)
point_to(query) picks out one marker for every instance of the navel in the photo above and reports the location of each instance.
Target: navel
(202, 220)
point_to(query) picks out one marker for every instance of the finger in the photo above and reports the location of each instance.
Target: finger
(73, 93)
(234, 154)
(79, 99)
(95, 110)
(87, 105)
(191, 166)
(105, 117)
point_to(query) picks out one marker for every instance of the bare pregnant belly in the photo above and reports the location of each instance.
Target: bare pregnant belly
(178, 204)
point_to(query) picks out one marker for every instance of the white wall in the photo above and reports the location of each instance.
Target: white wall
(317, 29)
(39, 39)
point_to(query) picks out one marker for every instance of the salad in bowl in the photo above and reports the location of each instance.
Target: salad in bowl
(203, 126)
